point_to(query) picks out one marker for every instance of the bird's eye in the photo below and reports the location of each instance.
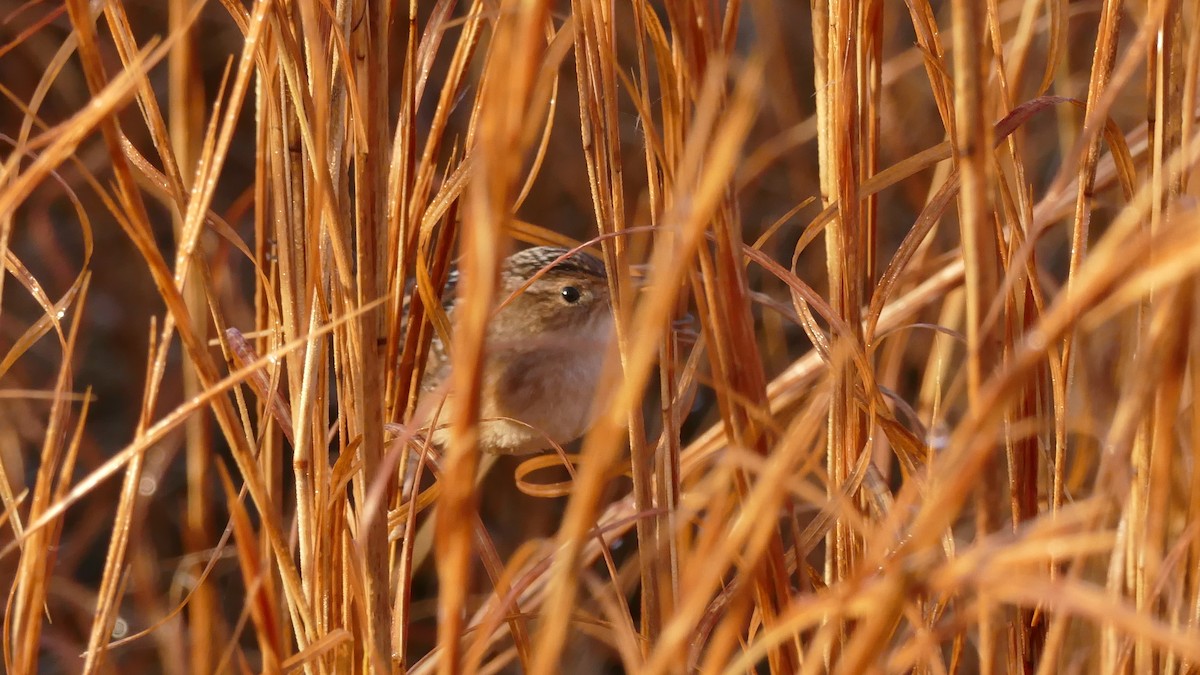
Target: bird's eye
(570, 294)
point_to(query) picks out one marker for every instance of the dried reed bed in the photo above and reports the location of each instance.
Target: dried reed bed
(958, 437)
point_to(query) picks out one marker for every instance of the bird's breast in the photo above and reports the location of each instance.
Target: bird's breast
(550, 392)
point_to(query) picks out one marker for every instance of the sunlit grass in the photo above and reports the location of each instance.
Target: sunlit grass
(904, 298)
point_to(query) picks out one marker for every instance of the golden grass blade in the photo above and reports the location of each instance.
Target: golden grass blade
(31, 583)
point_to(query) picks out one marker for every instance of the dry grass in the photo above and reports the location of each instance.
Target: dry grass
(962, 436)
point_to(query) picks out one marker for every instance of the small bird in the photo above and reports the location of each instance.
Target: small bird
(545, 352)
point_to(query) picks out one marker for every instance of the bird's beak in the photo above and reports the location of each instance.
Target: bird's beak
(686, 329)
(640, 275)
